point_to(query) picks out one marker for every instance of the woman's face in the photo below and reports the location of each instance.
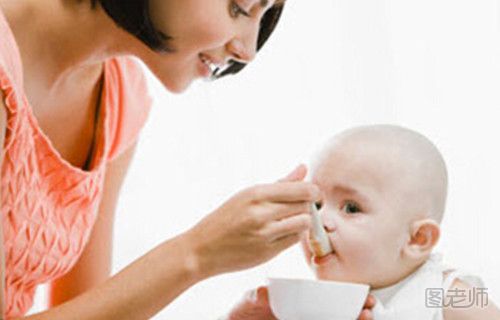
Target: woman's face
(205, 33)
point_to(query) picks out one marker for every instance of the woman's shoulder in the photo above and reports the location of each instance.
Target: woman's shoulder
(10, 64)
(10, 71)
(130, 102)
(127, 78)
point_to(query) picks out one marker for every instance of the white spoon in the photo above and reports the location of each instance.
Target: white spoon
(318, 238)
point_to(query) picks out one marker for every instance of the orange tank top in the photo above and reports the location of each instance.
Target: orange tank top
(48, 206)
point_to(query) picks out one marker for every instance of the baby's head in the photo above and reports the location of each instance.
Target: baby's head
(384, 191)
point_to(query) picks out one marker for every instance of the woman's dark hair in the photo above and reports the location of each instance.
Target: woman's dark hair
(267, 26)
(133, 16)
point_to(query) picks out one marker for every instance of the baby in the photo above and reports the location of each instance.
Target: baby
(384, 192)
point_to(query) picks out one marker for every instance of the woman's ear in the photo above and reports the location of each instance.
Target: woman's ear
(424, 235)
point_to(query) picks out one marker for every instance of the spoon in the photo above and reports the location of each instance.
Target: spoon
(318, 238)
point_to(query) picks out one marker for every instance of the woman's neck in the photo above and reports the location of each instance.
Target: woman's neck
(62, 40)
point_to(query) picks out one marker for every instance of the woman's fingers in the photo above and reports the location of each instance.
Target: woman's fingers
(295, 225)
(279, 211)
(286, 242)
(285, 192)
(256, 224)
(297, 174)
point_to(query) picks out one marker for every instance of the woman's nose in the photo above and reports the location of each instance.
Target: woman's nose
(243, 47)
(241, 52)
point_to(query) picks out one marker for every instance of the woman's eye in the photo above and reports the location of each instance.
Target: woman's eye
(351, 208)
(236, 10)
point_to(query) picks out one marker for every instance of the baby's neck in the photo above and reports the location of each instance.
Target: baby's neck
(406, 273)
(402, 278)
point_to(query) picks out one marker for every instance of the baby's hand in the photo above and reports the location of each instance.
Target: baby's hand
(367, 313)
(254, 306)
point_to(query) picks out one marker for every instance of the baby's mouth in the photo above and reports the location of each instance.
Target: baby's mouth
(317, 260)
(320, 259)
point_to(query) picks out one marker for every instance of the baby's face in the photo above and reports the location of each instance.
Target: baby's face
(365, 214)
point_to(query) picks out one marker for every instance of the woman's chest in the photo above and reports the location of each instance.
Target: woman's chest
(48, 209)
(48, 204)
(68, 116)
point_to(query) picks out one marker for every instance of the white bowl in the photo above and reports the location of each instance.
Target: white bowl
(301, 299)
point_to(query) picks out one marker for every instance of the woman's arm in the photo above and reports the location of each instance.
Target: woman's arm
(250, 228)
(95, 264)
(247, 230)
(137, 292)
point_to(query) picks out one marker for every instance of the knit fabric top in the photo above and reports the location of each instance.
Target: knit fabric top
(48, 206)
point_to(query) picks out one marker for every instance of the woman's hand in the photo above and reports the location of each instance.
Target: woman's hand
(254, 225)
(255, 306)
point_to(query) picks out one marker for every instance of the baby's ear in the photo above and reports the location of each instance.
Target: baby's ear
(424, 235)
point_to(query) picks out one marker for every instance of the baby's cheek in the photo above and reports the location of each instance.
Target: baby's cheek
(359, 256)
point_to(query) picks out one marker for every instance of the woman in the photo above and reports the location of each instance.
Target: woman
(72, 105)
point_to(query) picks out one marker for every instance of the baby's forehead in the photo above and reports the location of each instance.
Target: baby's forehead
(357, 156)
(364, 164)
(401, 161)
(340, 172)
(371, 183)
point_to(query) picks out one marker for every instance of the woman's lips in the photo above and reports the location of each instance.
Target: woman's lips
(208, 65)
(203, 69)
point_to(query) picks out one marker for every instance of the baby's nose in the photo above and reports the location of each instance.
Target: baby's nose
(329, 227)
(328, 221)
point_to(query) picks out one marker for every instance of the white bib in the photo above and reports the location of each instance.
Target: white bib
(420, 295)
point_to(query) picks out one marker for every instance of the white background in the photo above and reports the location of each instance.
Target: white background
(430, 65)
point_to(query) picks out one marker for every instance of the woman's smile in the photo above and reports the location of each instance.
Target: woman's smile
(208, 65)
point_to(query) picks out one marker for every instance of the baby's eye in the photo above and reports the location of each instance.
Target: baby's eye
(351, 207)
(235, 10)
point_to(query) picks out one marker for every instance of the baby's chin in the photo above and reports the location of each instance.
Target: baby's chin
(326, 275)
(330, 275)
(328, 270)
(333, 272)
